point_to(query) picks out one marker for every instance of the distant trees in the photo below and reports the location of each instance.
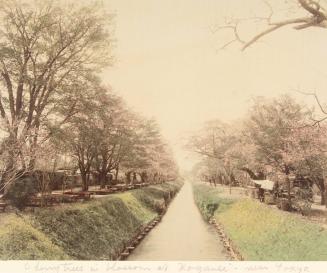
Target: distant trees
(218, 143)
(277, 138)
(143, 151)
(107, 137)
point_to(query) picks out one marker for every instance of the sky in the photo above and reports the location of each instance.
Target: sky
(169, 65)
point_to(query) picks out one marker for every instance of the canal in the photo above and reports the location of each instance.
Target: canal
(181, 235)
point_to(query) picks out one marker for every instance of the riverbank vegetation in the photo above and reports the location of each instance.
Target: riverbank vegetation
(261, 233)
(96, 230)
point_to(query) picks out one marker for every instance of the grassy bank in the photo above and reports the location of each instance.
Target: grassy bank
(260, 232)
(94, 230)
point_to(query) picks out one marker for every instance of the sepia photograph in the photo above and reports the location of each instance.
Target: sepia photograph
(160, 135)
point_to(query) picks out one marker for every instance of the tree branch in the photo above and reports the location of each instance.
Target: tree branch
(316, 18)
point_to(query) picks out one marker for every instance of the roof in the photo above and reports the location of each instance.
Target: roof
(265, 184)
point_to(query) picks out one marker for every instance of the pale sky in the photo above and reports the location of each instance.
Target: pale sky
(168, 65)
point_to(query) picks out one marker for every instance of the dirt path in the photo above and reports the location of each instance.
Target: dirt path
(182, 235)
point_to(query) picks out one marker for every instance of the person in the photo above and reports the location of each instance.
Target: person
(134, 178)
(261, 194)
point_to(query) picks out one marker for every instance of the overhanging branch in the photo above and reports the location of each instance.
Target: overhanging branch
(316, 18)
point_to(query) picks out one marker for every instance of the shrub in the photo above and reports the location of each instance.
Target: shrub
(152, 199)
(20, 191)
(303, 201)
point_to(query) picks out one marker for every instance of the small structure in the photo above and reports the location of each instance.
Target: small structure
(265, 190)
(265, 184)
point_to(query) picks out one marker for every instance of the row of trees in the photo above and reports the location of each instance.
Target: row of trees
(278, 139)
(107, 137)
(52, 101)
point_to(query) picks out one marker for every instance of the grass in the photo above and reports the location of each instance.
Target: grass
(158, 196)
(262, 233)
(95, 230)
(20, 239)
(208, 200)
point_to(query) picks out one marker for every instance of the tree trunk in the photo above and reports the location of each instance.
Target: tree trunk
(143, 176)
(31, 164)
(98, 180)
(102, 178)
(323, 198)
(34, 143)
(85, 184)
(322, 192)
(288, 185)
(116, 174)
(220, 179)
(128, 177)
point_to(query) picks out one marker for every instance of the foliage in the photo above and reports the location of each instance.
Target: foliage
(107, 137)
(303, 200)
(279, 129)
(21, 190)
(148, 151)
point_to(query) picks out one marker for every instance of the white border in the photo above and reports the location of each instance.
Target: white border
(159, 267)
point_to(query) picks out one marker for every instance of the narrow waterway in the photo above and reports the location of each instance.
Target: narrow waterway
(181, 235)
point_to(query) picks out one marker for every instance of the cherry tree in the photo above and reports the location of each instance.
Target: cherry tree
(308, 155)
(217, 144)
(47, 52)
(284, 139)
(149, 155)
(110, 134)
(78, 136)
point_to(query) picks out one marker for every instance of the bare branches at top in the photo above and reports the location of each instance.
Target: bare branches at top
(315, 16)
(322, 108)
